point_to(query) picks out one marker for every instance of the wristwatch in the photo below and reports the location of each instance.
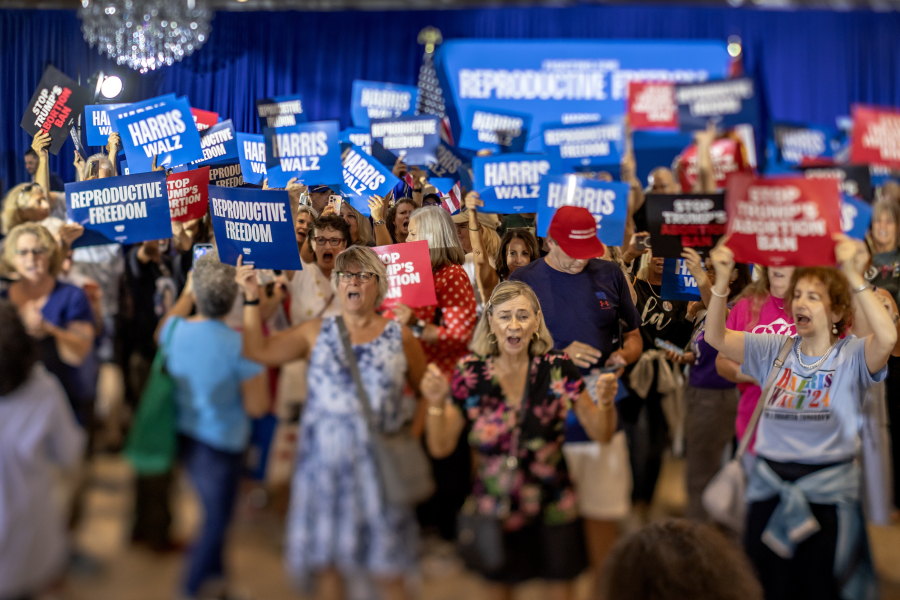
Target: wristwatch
(418, 328)
(378, 222)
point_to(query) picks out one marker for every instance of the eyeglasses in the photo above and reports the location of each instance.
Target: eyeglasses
(363, 277)
(33, 251)
(334, 242)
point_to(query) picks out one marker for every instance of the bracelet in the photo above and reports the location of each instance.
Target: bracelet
(251, 302)
(378, 222)
(718, 295)
(861, 288)
(435, 411)
(417, 190)
(476, 229)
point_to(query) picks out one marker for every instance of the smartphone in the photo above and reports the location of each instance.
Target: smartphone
(611, 369)
(95, 170)
(200, 250)
(664, 345)
(336, 200)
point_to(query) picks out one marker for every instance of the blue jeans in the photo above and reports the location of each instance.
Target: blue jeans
(215, 475)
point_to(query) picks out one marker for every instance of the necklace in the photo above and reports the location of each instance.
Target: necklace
(819, 362)
(652, 291)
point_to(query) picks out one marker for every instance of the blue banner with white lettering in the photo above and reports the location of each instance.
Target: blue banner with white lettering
(363, 177)
(138, 107)
(219, 144)
(677, 281)
(795, 144)
(493, 129)
(509, 183)
(358, 137)
(378, 100)
(856, 216)
(311, 152)
(252, 156)
(166, 129)
(442, 184)
(450, 162)
(414, 139)
(608, 202)
(728, 102)
(583, 145)
(557, 80)
(96, 123)
(126, 210)
(255, 224)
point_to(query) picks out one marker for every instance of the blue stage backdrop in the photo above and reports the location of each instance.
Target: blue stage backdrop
(810, 65)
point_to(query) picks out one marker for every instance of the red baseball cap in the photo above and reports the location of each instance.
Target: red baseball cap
(575, 230)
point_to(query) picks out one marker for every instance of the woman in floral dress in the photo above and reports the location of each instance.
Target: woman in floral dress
(512, 396)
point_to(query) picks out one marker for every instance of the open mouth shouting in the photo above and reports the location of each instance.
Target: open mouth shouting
(514, 341)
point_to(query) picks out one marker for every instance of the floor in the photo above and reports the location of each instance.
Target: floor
(129, 573)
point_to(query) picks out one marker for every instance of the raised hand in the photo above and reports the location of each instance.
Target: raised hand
(246, 279)
(40, 143)
(473, 201)
(377, 206)
(434, 386)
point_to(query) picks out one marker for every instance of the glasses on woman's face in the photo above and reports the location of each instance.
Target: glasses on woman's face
(35, 252)
(363, 277)
(333, 242)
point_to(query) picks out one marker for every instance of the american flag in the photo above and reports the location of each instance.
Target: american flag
(453, 201)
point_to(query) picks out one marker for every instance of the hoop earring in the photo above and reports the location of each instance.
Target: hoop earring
(535, 337)
(492, 339)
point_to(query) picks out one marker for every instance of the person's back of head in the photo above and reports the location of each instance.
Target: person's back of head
(17, 349)
(679, 560)
(214, 286)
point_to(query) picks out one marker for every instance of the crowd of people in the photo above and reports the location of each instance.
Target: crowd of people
(535, 391)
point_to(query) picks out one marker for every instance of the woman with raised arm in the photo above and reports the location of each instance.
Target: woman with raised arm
(339, 522)
(805, 532)
(512, 396)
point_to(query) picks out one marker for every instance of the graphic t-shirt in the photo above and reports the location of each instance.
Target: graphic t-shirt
(887, 272)
(772, 319)
(703, 372)
(813, 415)
(665, 319)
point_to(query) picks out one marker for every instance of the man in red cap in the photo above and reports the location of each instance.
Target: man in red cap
(584, 299)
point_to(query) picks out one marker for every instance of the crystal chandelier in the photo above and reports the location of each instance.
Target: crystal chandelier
(145, 34)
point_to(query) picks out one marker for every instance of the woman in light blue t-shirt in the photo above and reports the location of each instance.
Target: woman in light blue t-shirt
(805, 531)
(216, 391)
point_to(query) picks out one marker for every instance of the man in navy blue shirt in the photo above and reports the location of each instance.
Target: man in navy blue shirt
(583, 298)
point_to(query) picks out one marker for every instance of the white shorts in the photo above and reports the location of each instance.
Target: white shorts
(602, 477)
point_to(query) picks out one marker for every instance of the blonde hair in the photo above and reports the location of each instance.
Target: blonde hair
(16, 199)
(483, 345)
(54, 253)
(491, 240)
(365, 259)
(435, 225)
(364, 233)
(98, 158)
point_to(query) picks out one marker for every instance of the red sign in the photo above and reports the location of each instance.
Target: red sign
(410, 281)
(188, 194)
(876, 136)
(783, 222)
(728, 157)
(204, 119)
(651, 105)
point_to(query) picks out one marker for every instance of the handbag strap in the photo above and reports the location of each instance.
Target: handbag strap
(764, 397)
(354, 372)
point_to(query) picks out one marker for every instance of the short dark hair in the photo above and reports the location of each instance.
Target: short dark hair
(333, 221)
(31, 152)
(527, 238)
(679, 560)
(18, 349)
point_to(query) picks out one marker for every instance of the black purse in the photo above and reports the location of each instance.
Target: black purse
(480, 536)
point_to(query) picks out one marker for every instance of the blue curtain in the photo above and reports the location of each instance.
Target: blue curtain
(811, 65)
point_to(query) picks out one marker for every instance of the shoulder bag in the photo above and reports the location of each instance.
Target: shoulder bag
(403, 468)
(723, 497)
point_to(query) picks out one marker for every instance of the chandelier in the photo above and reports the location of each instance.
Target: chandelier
(145, 34)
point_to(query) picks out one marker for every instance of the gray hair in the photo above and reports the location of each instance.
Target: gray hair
(305, 208)
(482, 342)
(214, 286)
(433, 223)
(364, 259)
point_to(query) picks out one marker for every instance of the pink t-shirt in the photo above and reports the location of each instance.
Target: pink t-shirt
(772, 319)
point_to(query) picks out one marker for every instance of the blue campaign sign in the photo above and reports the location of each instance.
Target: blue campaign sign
(363, 177)
(728, 102)
(280, 111)
(798, 143)
(856, 216)
(492, 129)
(442, 184)
(509, 183)
(583, 145)
(311, 152)
(449, 162)
(219, 144)
(166, 129)
(255, 224)
(378, 100)
(127, 209)
(555, 80)
(252, 156)
(136, 107)
(358, 137)
(414, 139)
(677, 281)
(96, 122)
(608, 202)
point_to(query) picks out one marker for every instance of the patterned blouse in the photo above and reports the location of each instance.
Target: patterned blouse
(538, 483)
(456, 299)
